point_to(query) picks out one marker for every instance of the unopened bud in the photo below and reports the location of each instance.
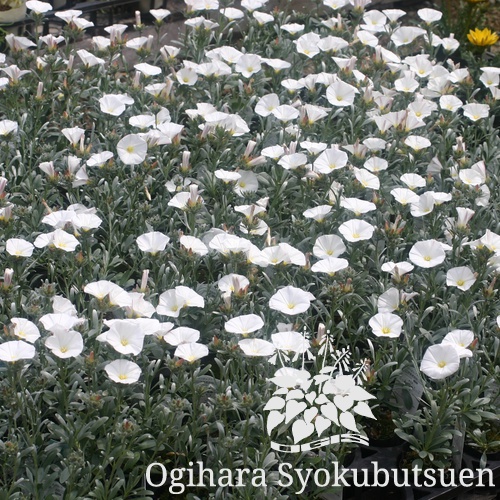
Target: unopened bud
(39, 90)
(144, 280)
(7, 276)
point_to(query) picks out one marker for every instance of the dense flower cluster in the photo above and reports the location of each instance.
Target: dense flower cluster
(223, 197)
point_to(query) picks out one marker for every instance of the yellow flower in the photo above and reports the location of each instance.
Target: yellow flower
(482, 38)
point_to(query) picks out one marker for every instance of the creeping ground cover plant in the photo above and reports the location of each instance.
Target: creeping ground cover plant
(187, 231)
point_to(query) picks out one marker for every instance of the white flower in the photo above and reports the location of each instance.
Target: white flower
(99, 159)
(111, 105)
(65, 343)
(291, 377)
(356, 230)
(89, 59)
(490, 78)
(25, 330)
(18, 43)
(376, 164)
(19, 247)
(429, 15)
(394, 14)
(243, 325)
(181, 335)
(388, 301)
(405, 196)
(308, 44)
(261, 17)
(132, 149)
(191, 351)
(475, 111)
(152, 242)
(367, 38)
(147, 69)
(318, 213)
(427, 254)
(291, 300)
(290, 341)
(256, 347)
(8, 127)
(38, 7)
(285, 113)
(461, 277)
(233, 283)
(57, 239)
(460, 339)
(386, 325)
(160, 14)
(194, 245)
(341, 94)
(293, 161)
(366, 178)
(16, 350)
(227, 176)
(74, 134)
(247, 183)
(313, 148)
(283, 254)
(86, 222)
(292, 28)
(232, 13)
(173, 301)
(374, 21)
(413, 181)
(357, 206)
(123, 371)
(440, 361)
(124, 336)
(464, 215)
(329, 265)
(450, 103)
(424, 205)
(139, 307)
(491, 241)
(62, 305)
(106, 289)
(267, 104)
(229, 243)
(328, 245)
(471, 177)
(248, 64)
(329, 160)
(405, 35)
(186, 76)
(417, 142)
(58, 321)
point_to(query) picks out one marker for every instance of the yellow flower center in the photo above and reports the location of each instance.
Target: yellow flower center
(64, 349)
(386, 330)
(122, 376)
(460, 282)
(442, 364)
(124, 342)
(427, 258)
(130, 149)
